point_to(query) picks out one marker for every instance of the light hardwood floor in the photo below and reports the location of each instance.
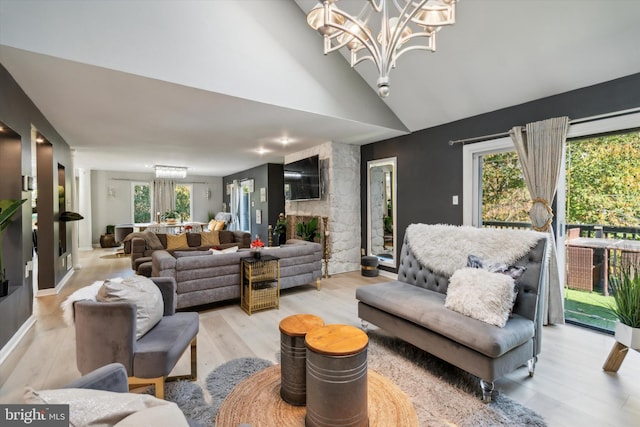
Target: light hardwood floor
(569, 387)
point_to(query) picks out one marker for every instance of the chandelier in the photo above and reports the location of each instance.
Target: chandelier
(411, 25)
(170, 171)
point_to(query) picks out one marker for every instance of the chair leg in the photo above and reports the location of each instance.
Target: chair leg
(487, 390)
(318, 285)
(193, 348)
(157, 383)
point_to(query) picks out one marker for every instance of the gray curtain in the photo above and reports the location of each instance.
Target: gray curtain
(164, 195)
(540, 151)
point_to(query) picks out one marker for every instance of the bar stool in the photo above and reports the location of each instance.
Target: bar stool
(293, 356)
(337, 377)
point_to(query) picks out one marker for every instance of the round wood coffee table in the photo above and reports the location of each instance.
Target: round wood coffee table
(257, 401)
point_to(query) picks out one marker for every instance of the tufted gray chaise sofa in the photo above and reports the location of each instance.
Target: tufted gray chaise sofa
(412, 308)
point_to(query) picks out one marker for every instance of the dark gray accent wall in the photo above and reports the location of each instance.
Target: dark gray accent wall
(19, 113)
(271, 177)
(430, 170)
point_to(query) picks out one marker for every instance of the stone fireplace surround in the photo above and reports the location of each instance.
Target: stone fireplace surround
(339, 202)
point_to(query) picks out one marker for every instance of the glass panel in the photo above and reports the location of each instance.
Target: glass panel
(183, 201)
(603, 210)
(381, 210)
(141, 203)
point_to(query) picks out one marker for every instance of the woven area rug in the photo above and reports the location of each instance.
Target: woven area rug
(442, 395)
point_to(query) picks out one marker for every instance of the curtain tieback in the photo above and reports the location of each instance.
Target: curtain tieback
(546, 205)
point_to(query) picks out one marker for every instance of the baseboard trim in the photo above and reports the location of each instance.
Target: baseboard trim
(15, 340)
(57, 289)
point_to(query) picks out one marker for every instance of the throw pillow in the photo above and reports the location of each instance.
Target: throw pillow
(513, 271)
(89, 407)
(230, 250)
(152, 241)
(177, 241)
(480, 294)
(140, 291)
(210, 238)
(216, 225)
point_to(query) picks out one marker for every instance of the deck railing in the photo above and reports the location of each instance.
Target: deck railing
(586, 230)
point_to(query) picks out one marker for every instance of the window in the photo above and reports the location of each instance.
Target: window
(505, 198)
(183, 201)
(141, 202)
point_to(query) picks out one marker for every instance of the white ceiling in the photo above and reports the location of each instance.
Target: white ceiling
(204, 84)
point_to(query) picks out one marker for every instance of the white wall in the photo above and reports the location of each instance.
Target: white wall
(117, 208)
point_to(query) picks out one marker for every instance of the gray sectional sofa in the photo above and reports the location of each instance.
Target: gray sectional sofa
(204, 278)
(139, 245)
(413, 309)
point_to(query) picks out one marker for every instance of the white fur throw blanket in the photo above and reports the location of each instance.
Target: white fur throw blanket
(445, 248)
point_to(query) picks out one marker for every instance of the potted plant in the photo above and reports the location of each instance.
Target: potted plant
(171, 217)
(625, 286)
(280, 229)
(307, 230)
(8, 207)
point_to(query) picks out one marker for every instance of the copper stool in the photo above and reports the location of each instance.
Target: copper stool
(293, 356)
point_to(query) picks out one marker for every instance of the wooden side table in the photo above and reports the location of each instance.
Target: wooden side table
(259, 283)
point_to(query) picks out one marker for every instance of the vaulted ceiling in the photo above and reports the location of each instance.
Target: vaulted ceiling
(205, 84)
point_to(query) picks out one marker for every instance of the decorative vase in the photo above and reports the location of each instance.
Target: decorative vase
(257, 254)
(627, 335)
(4, 288)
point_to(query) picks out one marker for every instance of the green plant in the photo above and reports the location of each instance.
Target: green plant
(281, 226)
(388, 224)
(8, 207)
(307, 230)
(625, 286)
(171, 215)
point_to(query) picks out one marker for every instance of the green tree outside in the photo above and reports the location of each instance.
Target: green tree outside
(183, 201)
(141, 203)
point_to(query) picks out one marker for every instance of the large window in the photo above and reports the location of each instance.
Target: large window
(183, 201)
(141, 202)
(598, 193)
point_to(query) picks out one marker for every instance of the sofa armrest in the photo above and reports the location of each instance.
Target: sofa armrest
(163, 264)
(112, 377)
(138, 246)
(100, 326)
(168, 288)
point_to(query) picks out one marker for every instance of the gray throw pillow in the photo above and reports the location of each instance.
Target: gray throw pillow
(151, 240)
(140, 291)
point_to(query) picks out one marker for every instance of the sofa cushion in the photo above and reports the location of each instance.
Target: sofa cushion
(481, 294)
(216, 225)
(117, 409)
(180, 254)
(426, 308)
(177, 241)
(226, 236)
(210, 238)
(140, 291)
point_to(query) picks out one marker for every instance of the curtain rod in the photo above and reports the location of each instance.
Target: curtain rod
(571, 122)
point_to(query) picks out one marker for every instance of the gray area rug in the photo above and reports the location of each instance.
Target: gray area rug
(442, 394)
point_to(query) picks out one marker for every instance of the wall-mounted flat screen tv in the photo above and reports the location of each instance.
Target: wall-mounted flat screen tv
(302, 179)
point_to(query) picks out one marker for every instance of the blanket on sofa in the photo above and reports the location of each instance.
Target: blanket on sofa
(444, 248)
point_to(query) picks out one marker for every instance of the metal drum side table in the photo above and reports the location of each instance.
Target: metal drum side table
(337, 377)
(293, 356)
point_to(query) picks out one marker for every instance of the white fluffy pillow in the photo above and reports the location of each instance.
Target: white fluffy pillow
(230, 250)
(101, 408)
(481, 294)
(143, 293)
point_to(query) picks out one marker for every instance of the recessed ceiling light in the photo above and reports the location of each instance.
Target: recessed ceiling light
(39, 139)
(284, 140)
(262, 150)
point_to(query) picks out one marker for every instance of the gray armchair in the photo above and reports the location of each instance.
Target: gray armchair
(106, 333)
